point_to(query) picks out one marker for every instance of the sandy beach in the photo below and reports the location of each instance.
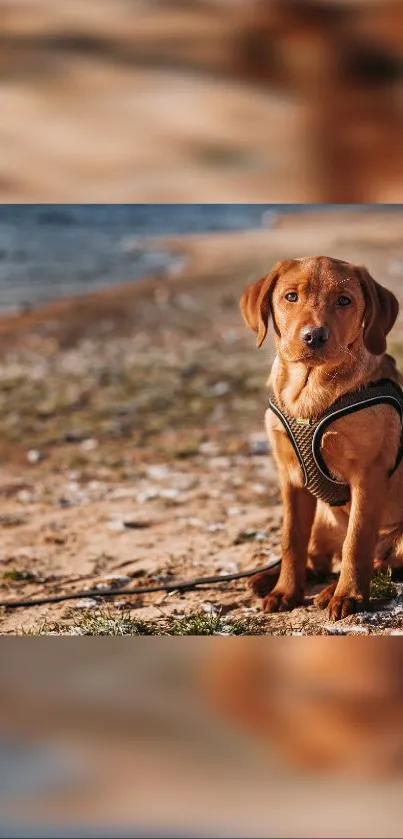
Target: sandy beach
(132, 444)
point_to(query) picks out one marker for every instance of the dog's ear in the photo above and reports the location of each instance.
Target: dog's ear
(381, 311)
(255, 303)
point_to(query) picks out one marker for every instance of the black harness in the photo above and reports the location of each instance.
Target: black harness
(306, 436)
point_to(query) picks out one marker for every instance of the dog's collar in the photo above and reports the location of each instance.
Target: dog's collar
(306, 436)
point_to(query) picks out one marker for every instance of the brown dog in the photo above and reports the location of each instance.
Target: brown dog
(331, 320)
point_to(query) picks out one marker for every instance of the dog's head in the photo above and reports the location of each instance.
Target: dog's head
(320, 308)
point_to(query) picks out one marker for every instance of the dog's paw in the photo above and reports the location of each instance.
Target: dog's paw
(263, 583)
(282, 601)
(324, 597)
(341, 606)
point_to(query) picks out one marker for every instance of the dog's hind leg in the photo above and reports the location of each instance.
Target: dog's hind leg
(327, 537)
(324, 552)
(389, 553)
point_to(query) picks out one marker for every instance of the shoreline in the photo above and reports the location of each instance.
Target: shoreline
(204, 259)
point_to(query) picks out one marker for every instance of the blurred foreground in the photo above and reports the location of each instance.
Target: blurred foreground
(205, 100)
(110, 738)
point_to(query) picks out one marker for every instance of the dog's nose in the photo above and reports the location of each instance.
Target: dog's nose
(315, 336)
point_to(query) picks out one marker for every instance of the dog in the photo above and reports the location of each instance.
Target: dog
(331, 320)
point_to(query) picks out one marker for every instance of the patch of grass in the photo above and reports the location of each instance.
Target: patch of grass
(11, 520)
(250, 536)
(19, 576)
(117, 624)
(199, 624)
(382, 586)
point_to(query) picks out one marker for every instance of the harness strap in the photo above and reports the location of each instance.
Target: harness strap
(306, 436)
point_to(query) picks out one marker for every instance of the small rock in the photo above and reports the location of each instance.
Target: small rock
(89, 445)
(219, 389)
(147, 613)
(73, 487)
(189, 371)
(74, 475)
(137, 524)
(209, 609)
(86, 603)
(228, 568)
(147, 495)
(250, 536)
(209, 449)
(258, 444)
(169, 493)
(220, 463)
(116, 525)
(215, 527)
(193, 522)
(112, 581)
(34, 456)
(128, 524)
(152, 493)
(259, 489)
(158, 472)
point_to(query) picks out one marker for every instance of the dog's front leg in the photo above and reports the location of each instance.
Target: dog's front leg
(299, 513)
(368, 492)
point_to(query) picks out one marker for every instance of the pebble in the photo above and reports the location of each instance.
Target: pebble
(116, 525)
(157, 472)
(86, 603)
(209, 449)
(215, 527)
(34, 456)
(258, 443)
(220, 462)
(193, 522)
(89, 445)
(153, 493)
(259, 489)
(209, 609)
(219, 389)
(112, 581)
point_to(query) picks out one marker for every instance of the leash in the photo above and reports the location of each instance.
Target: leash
(185, 585)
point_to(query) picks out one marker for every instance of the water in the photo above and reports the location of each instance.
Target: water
(47, 251)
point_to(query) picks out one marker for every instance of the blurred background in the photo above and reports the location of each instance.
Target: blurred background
(204, 100)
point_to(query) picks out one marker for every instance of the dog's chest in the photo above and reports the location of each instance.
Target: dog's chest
(335, 448)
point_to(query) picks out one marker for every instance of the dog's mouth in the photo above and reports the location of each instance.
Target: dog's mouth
(313, 358)
(319, 356)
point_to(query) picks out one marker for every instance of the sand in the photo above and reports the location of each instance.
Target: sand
(132, 443)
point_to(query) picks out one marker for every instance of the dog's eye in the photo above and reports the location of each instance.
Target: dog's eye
(292, 297)
(343, 300)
